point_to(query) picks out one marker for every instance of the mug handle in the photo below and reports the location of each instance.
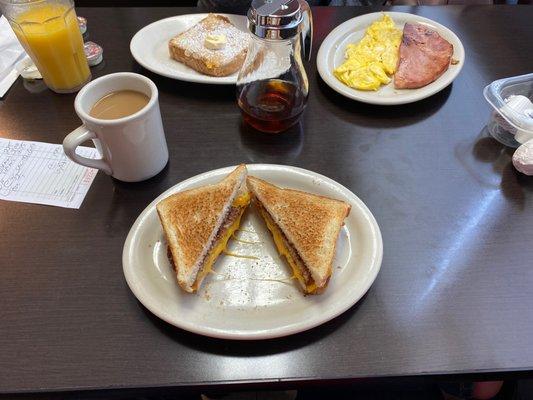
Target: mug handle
(77, 137)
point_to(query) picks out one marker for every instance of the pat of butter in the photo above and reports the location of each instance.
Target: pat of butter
(215, 42)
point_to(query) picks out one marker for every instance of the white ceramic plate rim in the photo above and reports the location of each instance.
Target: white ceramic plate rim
(349, 300)
(191, 76)
(328, 45)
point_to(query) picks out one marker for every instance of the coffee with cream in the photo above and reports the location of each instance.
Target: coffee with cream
(119, 104)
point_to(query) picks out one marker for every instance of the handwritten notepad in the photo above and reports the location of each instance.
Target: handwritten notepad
(36, 172)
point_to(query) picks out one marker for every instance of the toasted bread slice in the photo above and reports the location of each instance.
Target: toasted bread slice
(188, 47)
(305, 228)
(199, 222)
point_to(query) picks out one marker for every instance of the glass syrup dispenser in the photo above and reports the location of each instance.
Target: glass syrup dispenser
(272, 85)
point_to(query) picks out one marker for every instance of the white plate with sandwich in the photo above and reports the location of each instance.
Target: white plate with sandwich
(204, 259)
(401, 61)
(202, 48)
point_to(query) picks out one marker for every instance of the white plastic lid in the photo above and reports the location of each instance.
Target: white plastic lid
(523, 158)
(27, 69)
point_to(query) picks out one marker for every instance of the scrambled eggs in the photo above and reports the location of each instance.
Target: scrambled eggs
(370, 62)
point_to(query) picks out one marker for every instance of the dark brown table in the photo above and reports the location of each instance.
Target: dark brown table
(455, 293)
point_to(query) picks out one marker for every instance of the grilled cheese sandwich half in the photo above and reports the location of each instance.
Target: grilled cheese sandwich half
(221, 245)
(198, 224)
(305, 228)
(298, 270)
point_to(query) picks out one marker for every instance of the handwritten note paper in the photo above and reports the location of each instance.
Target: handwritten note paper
(36, 172)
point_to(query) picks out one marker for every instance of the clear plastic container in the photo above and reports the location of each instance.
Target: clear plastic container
(512, 100)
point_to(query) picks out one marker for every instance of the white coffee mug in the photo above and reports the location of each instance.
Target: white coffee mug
(133, 148)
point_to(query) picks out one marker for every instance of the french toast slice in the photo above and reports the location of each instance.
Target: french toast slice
(189, 47)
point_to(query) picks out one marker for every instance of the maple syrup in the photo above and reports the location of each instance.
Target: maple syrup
(271, 106)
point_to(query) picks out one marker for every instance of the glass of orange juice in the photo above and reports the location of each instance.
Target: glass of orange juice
(49, 32)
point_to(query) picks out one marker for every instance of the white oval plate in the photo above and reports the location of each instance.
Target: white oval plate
(253, 299)
(331, 55)
(149, 47)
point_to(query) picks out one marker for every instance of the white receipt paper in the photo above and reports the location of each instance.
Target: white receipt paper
(36, 172)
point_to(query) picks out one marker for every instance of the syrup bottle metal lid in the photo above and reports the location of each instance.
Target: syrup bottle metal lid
(275, 19)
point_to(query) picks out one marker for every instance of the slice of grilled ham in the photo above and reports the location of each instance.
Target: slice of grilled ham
(424, 56)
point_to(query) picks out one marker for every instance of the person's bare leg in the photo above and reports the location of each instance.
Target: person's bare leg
(470, 390)
(486, 390)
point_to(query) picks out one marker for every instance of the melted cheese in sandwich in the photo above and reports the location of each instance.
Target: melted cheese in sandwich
(241, 201)
(284, 251)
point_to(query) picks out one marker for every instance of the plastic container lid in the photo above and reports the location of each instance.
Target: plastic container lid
(523, 158)
(82, 22)
(94, 53)
(512, 98)
(27, 69)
